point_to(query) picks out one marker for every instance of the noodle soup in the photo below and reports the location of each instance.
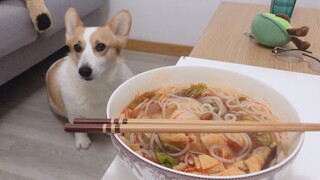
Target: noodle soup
(223, 154)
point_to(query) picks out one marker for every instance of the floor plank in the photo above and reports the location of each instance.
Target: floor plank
(33, 144)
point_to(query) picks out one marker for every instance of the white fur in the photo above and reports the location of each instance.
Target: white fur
(89, 98)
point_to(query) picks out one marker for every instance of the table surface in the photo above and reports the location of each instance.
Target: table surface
(224, 38)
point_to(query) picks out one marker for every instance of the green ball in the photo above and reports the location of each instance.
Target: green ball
(270, 30)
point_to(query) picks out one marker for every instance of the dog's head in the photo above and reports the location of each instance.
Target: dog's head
(95, 49)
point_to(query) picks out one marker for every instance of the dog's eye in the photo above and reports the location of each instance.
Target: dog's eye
(77, 47)
(100, 47)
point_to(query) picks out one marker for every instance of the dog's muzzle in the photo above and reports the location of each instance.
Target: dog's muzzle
(85, 72)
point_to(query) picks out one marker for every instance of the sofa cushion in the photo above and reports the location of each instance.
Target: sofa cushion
(16, 29)
(59, 8)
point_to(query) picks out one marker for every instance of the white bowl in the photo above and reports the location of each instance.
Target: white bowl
(146, 169)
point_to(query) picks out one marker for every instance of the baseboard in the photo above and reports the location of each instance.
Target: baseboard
(159, 48)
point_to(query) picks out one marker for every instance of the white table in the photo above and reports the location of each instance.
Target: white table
(302, 90)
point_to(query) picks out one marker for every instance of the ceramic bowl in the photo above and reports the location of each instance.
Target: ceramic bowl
(145, 169)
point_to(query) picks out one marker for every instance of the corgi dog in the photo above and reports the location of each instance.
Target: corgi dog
(79, 85)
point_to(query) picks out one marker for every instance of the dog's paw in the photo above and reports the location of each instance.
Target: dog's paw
(82, 141)
(43, 22)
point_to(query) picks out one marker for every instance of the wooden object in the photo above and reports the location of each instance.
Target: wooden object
(185, 126)
(224, 38)
(159, 48)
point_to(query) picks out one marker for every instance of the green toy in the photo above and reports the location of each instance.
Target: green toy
(275, 30)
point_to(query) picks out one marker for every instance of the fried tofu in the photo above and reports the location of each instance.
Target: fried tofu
(232, 171)
(264, 152)
(197, 163)
(254, 163)
(239, 164)
(197, 147)
(135, 146)
(257, 159)
(216, 168)
(180, 167)
(210, 139)
(172, 138)
(209, 164)
(207, 161)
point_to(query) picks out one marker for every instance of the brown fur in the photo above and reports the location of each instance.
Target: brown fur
(36, 8)
(115, 26)
(53, 89)
(103, 35)
(77, 38)
(76, 23)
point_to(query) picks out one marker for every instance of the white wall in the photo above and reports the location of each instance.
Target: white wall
(173, 21)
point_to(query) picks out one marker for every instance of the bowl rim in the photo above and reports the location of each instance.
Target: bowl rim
(249, 175)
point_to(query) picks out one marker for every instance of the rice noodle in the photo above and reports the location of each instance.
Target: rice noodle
(224, 93)
(148, 135)
(141, 105)
(267, 117)
(217, 117)
(163, 106)
(208, 107)
(224, 105)
(132, 138)
(246, 142)
(224, 160)
(217, 101)
(254, 108)
(153, 155)
(141, 114)
(230, 117)
(147, 107)
(232, 100)
(194, 152)
(186, 158)
(248, 148)
(142, 141)
(146, 152)
(183, 151)
(230, 136)
(238, 113)
(157, 141)
(152, 141)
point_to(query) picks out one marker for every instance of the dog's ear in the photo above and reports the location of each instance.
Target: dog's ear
(121, 25)
(72, 21)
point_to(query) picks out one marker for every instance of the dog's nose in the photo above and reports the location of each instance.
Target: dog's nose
(85, 72)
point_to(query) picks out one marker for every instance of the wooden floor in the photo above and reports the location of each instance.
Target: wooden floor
(33, 144)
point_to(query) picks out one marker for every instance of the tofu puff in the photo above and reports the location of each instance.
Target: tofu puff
(222, 154)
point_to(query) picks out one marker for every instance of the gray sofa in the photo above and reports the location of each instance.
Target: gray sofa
(21, 46)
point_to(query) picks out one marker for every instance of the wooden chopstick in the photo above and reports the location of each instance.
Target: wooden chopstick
(196, 126)
(183, 122)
